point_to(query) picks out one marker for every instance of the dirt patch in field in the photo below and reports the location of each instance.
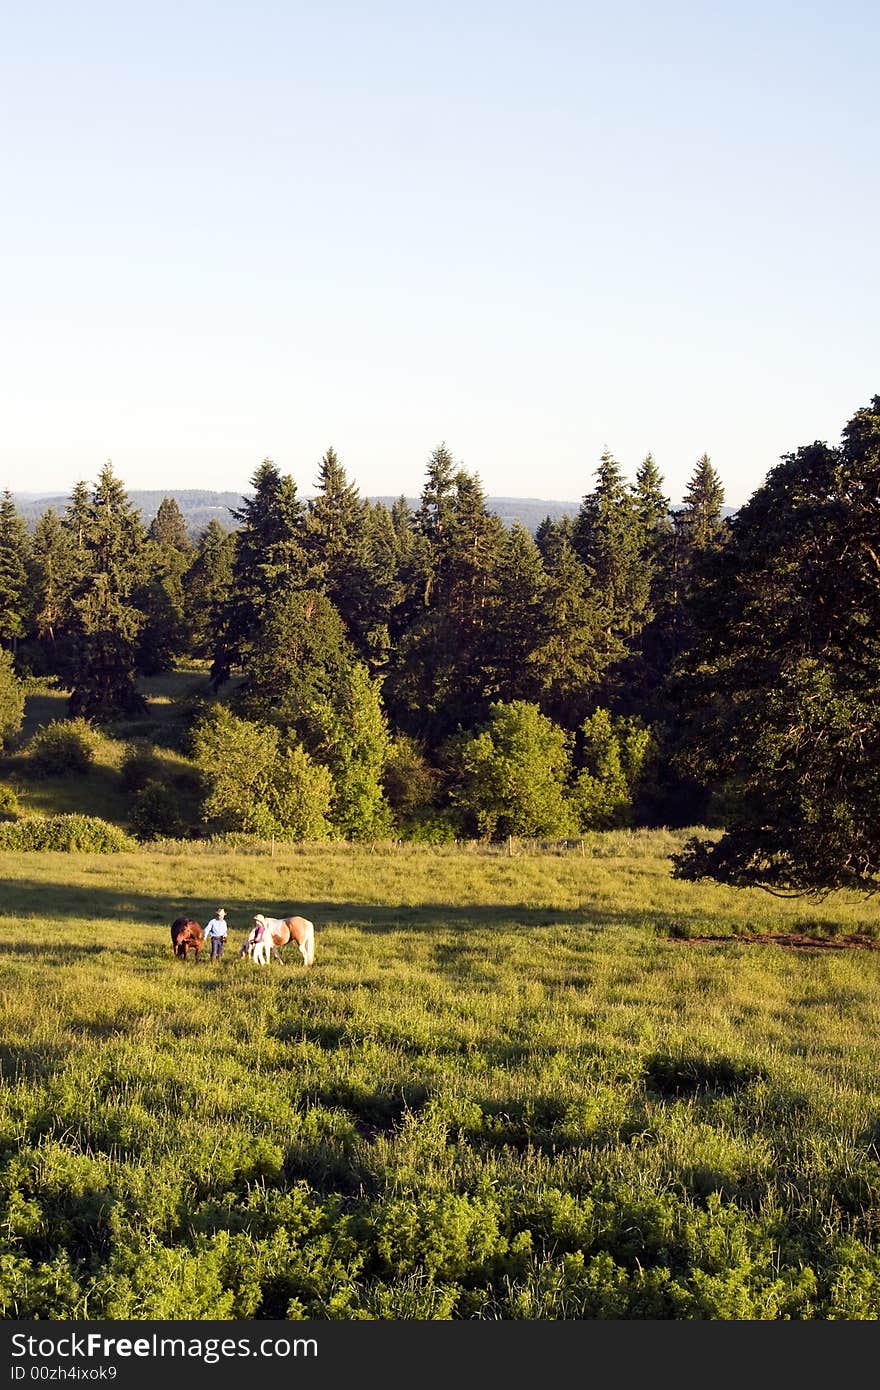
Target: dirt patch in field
(793, 940)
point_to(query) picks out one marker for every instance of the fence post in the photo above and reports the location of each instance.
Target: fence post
(510, 846)
(273, 846)
(583, 850)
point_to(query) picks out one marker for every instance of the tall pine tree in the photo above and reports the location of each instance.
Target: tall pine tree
(608, 539)
(270, 562)
(106, 623)
(206, 586)
(337, 548)
(15, 598)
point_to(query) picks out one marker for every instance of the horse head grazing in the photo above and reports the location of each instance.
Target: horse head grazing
(186, 935)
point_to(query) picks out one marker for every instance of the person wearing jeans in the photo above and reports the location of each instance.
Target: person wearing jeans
(216, 932)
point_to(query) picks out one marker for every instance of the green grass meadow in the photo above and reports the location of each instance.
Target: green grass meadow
(510, 1088)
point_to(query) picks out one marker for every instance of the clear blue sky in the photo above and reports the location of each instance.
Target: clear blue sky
(532, 231)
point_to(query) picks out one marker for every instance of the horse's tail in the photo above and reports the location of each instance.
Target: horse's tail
(309, 944)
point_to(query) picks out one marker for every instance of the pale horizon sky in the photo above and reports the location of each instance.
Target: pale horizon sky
(532, 232)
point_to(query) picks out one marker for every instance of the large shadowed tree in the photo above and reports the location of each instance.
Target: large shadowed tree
(783, 709)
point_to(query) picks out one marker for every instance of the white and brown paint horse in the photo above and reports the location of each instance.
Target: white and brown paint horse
(277, 932)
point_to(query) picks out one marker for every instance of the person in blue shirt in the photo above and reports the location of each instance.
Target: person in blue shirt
(216, 932)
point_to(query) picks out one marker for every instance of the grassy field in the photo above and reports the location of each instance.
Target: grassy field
(509, 1088)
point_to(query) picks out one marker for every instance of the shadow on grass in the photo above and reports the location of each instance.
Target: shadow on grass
(19, 1063)
(57, 948)
(26, 898)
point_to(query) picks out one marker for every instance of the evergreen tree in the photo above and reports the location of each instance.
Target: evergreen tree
(334, 527)
(644, 671)
(781, 698)
(15, 599)
(551, 535)
(168, 527)
(206, 586)
(386, 550)
(516, 618)
(652, 513)
(55, 569)
(304, 677)
(438, 680)
(433, 518)
(609, 541)
(270, 561)
(77, 516)
(161, 601)
(347, 732)
(465, 589)
(300, 655)
(338, 551)
(571, 653)
(106, 623)
(699, 522)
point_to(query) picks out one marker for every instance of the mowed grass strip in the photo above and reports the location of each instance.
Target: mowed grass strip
(509, 1088)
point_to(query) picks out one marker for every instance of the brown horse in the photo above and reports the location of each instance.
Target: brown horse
(277, 932)
(186, 935)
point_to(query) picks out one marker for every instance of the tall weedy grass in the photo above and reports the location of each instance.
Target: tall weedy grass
(510, 1087)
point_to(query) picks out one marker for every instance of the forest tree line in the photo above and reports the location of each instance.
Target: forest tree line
(428, 671)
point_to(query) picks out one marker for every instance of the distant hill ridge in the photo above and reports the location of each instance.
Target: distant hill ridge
(200, 505)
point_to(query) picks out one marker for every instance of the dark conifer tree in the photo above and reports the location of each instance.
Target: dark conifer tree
(439, 678)
(55, 567)
(700, 523)
(386, 550)
(77, 516)
(106, 624)
(608, 540)
(167, 557)
(571, 653)
(781, 704)
(168, 527)
(517, 618)
(15, 598)
(206, 586)
(299, 655)
(337, 549)
(646, 667)
(551, 534)
(270, 562)
(652, 513)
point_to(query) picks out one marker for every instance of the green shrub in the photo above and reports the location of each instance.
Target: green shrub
(613, 755)
(64, 748)
(78, 834)
(11, 700)
(257, 782)
(139, 766)
(433, 828)
(156, 813)
(10, 808)
(410, 783)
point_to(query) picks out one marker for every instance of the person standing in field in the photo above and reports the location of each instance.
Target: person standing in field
(216, 932)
